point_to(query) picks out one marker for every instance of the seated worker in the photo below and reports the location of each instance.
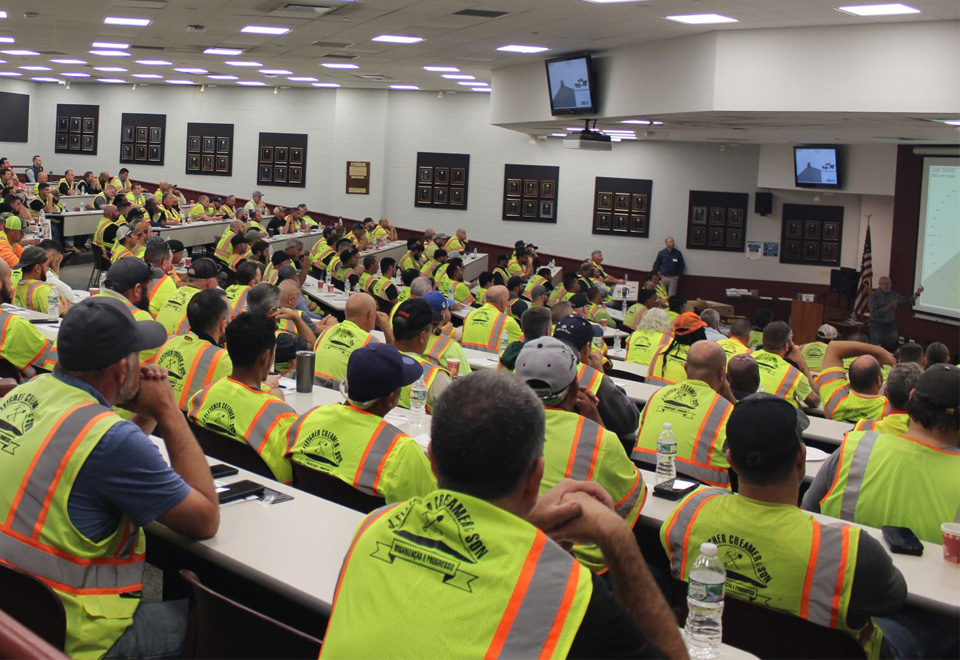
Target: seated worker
(323, 249)
(293, 331)
(778, 375)
(370, 267)
(743, 376)
(357, 237)
(566, 291)
(652, 334)
(458, 243)
(576, 444)
(814, 351)
(737, 342)
(337, 343)
(906, 480)
(595, 310)
(352, 442)
(413, 258)
(201, 211)
(902, 380)
(248, 275)
(169, 210)
(698, 409)
(10, 237)
(850, 398)
(909, 352)
(483, 328)
(345, 273)
(21, 344)
(441, 347)
(596, 257)
(521, 261)
(536, 322)
(256, 203)
(830, 574)
(407, 277)
(428, 242)
(712, 318)
(541, 278)
(290, 296)
(126, 242)
(32, 291)
(761, 320)
(381, 286)
(489, 474)
(196, 359)
(435, 265)
(484, 282)
(128, 281)
(516, 305)
(277, 223)
(239, 248)
(666, 366)
(385, 231)
(223, 249)
(452, 284)
(105, 236)
(54, 261)
(278, 260)
(259, 253)
(936, 353)
(646, 300)
(500, 274)
(247, 405)
(412, 326)
(101, 480)
(162, 285)
(67, 185)
(201, 275)
(618, 412)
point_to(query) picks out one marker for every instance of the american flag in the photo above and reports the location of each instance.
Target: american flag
(866, 277)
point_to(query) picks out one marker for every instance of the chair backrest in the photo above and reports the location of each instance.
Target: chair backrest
(222, 628)
(100, 259)
(18, 641)
(230, 450)
(333, 489)
(7, 370)
(33, 604)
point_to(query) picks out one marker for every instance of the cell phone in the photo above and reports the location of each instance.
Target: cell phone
(43, 321)
(902, 540)
(674, 489)
(239, 490)
(220, 470)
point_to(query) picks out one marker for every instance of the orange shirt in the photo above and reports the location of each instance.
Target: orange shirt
(10, 253)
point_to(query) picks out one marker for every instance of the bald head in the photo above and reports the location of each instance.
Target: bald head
(361, 309)
(237, 226)
(497, 296)
(866, 376)
(705, 362)
(743, 374)
(110, 211)
(289, 292)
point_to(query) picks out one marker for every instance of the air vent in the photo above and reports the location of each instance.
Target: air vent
(340, 56)
(160, 48)
(313, 10)
(372, 77)
(480, 13)
(331, 44)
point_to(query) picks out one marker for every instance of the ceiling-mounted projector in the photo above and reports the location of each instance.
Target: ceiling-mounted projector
(589, 140)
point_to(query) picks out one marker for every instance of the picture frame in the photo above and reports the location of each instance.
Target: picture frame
(513, 187)
(425, 194)
(87, 143)
(441, 194)
(531, 188)
(279, 173)
(223, 145)
(811, 232)
(638, 224)
(296, 156)
(604, 221)
(718, 216)
(715, 237)
(793, 230)
(530, 208)
(74, 142)
(735, 217)
(458, 177)
(441, 176)
(193, 162)
(831, 231)
(142, 133)
(425, 175)
(209, 145)
(127, 134)
(698, 235)
(76, 124)
(513, 208)
(548, 189)
(126, 152)
(830, 252)
(295, 174)
(639, 203)
(266, 155)
(153, 154)
(621, 222)
(792, 250)
(546, 210)
(156, 134)
(62, 141)
(698, 215)
(811, 251)
(63, 124)
(734, 238)
(193, 144)
(281, 155)
(604, 201)
(208, 163)
(223, 163)
(456, 196)
(621, 202)
(89, 124)
(266, 174)
(140, 152)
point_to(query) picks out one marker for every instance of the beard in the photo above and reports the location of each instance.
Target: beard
(144, 302)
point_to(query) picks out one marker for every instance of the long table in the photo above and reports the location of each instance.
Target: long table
(76, 202)
(195, 234)
(78, 223)
(309, 239)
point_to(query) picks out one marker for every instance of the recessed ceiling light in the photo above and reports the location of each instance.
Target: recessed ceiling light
(3, 14)
(109, 45)
(458, 76)
(404, 87)
(701, 19)
(76, 74)
(642, 122)
(114, 81)
(53, 80)
(264, 29)
(232, 52)
(657, 123)
(442, 69)
(68, 61)
(154, 62)
(242, 63)
(110, 69)
(180, 82)
(198, 72)
(950, 122)
(251, 83)
(890, 9)
(19, 52)
(323, 84)
(153, 76)
(6, 40)
(10, 74)
(110, 53)
(275, 72)
(222, 77)
(481, 89)
(473, 83)
(339, 65)
(397, 39)
(563, 134)
(517, 48)
(302, 79)
(134, 22)
(35, 68)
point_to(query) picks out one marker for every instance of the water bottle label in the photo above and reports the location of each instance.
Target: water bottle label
(665, 447)
(706, 593)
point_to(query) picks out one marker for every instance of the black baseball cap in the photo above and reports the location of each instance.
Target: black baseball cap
(514, 282)
(279, 257)
(414, 243)
(100, 331)
(576, 331)
(125, 274)
(175, 245)
(578, 300)
(411, 317)
(376, 370)
(763, 431)
(203, 269)
(940, 385)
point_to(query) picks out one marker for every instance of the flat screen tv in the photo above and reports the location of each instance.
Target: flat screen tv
(816, 167)
(572, 84)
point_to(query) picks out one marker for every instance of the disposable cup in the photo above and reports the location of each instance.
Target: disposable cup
(951, 542)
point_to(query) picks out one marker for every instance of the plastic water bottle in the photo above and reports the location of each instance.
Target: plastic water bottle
(418, 404)
(45, 225)
(504, 340)
(326, 277)
(704, 627)
(666, 454)
(53, 305)
(626, 277)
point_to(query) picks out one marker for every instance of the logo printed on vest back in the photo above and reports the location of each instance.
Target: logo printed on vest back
(342, 340)
(220, 416)
(323, 446)
(16, 418)
(172, 361)
(682, 400)
(747, 575)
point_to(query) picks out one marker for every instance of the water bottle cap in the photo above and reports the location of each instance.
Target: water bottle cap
(667, 425)
(709, 549)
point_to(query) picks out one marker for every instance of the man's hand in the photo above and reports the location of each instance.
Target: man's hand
(587, 403)
(383, 321)
(595, 360)
(918, 292)
(285, 313)
(554, 509)
(155, 398)
(890, 305)
(597, 520)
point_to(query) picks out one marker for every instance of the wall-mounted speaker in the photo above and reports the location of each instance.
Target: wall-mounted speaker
(763, 203)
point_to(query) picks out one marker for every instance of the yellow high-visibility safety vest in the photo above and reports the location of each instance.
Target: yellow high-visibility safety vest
(191, 365)
(667, 364)
(642, 345)
(173, 313)
(334, 348)
(430, 373)
(483, 326)
(160, 290)
(842, 404)
(781, 378)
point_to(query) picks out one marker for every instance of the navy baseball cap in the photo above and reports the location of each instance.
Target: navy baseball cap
(378, 369)
(763, 431)
(576, 331)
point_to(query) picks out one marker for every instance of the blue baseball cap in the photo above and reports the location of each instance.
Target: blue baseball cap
(376, 370)
(438, 302)
(576, 331)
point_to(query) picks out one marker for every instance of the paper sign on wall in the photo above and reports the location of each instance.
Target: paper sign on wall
(754, 249)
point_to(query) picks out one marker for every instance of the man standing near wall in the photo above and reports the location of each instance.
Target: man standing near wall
(669, 264)
(882, 304)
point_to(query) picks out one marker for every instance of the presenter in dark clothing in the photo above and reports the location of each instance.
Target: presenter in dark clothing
(883, 303)
(670, 265)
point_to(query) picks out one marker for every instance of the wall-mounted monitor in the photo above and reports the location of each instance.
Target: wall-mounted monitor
(572, 84)
(816, 167)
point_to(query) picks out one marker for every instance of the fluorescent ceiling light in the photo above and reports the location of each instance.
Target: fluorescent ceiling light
(480, 89)
(153, 76)
(574, 128)
(68, 61)
(35, 68)
(75, 74)
(610, 2)
(397, 39)
(339, 65)
(275, 72)
(180, 82)
(223, 51)
(242, 63)
(6, 40)
(198, 72)
(458, 76)
(517, 48)
(19, 52)
(53, 80)
(657, 123)
(949, 122)
(889, 9)
(264, 29)
(251, 83)
(134, 22)
(562, 134)
(10, 74)
(110, 53)
(701, 19)
(302, 79)
(473, 83)
(3, 14)
(114, 81)
(404, 87)
(324, 84)
(154, 62)
(442, 69)
(222, 77)
(110, 69)
(109, 45)
(642, 122)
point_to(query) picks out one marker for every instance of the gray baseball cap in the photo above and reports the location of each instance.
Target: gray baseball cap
(548, 366)
(31, 256)
(100, 331)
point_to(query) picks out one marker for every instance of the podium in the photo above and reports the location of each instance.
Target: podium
(805, 319)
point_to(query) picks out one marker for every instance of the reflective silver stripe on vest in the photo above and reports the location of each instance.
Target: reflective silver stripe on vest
(705, 474)
(858, 469)
(825, 574)
(625, 507)
(43, 479)
(200, 368)
(439, 348)
(269, 415)
(48, 356)
(63, 571)
(241, 302)
(681, 524)
(710, 429)
(793, 375)
(541, 603)
(833, 375)
(835, 400)
(590, 435)
(378, 448)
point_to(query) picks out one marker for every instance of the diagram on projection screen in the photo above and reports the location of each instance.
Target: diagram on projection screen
(938, 244)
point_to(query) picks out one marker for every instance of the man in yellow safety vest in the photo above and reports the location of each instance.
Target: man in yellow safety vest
(335, 345)
(814, 351)
(895, 419)
(484, 327)
(412, 325)
(780, 377)
(854, 396)
(201, 275)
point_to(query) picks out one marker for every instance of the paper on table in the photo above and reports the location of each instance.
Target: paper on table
(423, 440)
(815, 455)
(287, 383)
(396, 417)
